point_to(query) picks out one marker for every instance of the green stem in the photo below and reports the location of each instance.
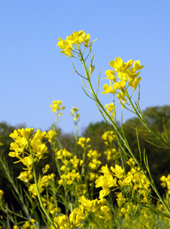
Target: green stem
(9, 177)
(145, 124)
(38, 193)
(118, 132)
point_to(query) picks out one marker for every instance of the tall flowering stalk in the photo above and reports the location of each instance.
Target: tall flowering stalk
(122, 76)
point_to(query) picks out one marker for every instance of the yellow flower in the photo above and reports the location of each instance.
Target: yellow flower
(68, 46)
(121, 97)
(110, 107)
(83, 141)
(62, 221)
(109, 136)
(56, 106)
(45, 169)
(25, 176)
(110, 75)
(126, 73)
(106, 181)
(75, 114)
(118, 171)
(134, 83)
(50, 135)
(15, 227)
(76, 217)
(117, 64)
(108, 89)
(119, 85)
(137, 65)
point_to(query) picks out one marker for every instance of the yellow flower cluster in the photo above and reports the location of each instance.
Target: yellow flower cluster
(56, 107)
(111, 110)
(75, 114)
(105, 181)
(117, 178)
(108, 137)
(49, 203)
(29, 148)
(83, 142)
(72, 168)
(126, 74)
(112, 155)
(63, 154)
(94, 162)
(70, 178)
(26, 225)
(43, 182)
(97, 208)
(69, 45)
(166, 182)
(69, 167)
(51, 135)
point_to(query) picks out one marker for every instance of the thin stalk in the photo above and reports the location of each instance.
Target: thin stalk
(145, 124)
(38, 194)
(120, 135)
(9, 177)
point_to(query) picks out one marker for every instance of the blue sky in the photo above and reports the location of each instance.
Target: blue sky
(33, 72)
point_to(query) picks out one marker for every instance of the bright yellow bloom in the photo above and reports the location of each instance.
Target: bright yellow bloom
(56, 106)
(126, 73)
(15, 227)
(137, 65)
(69, 45)
(75, 114)
(25, 176)
(166, 182)
(110, 75)
(134, 83)
(117, 64)
(83, 141)
(74, 109)
(106, 181)
(21, 133)
(94, 164)
(112, 154)
(119, 85)
(76, 217)
(51, 135)
(121, 97)
(111, 109)
(26, 225)
(118, 171)
(75, 161)
(108, 89)
(62, 221)
(63, 153)
(108, 136)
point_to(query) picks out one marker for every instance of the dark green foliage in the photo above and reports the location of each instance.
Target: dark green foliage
(158, 119)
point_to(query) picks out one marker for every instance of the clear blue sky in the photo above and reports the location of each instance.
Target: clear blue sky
(33, 72)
